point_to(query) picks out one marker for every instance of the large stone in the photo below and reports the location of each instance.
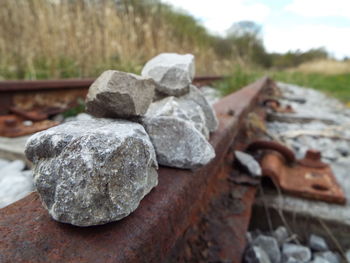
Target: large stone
(120, 94)
(94, 171)
(198, 97)
(270, 246)
(173, 72)
(317, 243)
(298, 252)
(178, 143)
(184, 109)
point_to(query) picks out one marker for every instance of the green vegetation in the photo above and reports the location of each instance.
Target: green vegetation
(337, 85)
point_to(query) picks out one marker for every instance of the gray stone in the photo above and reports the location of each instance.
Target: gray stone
(298, 252)
(330, 256)
(291, 260)
(173, 72)
(119, 94)
(256, 254)
(14, 183)
(320, 260)
(197, 96)
(249, 163)
(184, 109)
(270, 246)
(281, 234)
(317, 243)
(347, 255)
(178, 143)
(94, 171)
(212, 95)
(3, 162)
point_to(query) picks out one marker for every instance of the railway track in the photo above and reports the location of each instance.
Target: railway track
(199, 215)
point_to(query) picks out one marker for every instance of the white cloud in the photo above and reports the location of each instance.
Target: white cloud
(320, 8)
(219, 15)
(334, 39)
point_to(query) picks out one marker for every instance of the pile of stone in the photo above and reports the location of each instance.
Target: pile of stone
(282, 247)
(97, 169)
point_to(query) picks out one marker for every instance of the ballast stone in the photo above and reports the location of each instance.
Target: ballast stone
(178, 143)
(173, 72)
(92, 172)
(117, 94)
(198, 97)
(183, 109)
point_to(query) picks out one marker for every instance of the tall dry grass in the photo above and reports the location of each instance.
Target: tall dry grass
(63, 38)
(324, 66)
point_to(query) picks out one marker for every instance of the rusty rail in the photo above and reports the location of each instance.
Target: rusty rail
(154, 230)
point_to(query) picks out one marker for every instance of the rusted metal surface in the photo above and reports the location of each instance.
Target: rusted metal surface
(15, 126)
(276, 106)
(308, 177)
(28, 234)
(271, 145)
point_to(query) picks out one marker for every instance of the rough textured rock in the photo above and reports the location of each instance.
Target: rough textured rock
(94, 171)
(178, 143)
(119, 94)
(184, 109)
(256, 255)
(173, 72)
(319, 260)
(198, 97)
(249, 163)
(212, 95)
(317, 243)
(298, 252)
(281, 234)
(270, 246)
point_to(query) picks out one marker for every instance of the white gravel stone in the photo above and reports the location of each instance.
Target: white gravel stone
(298, 252)
(317, 243)
(173, 72)
(249, 163)
(270, 246)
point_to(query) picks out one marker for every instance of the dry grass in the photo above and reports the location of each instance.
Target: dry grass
(62, 38)
(330, 67)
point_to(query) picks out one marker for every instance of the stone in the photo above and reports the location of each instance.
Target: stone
(249, 163)
(173, 72)
(270, 246)
(281, 234)
(256, 255)
(118, 94)
(92, 172)
(317, 243)
(3, 162)
(178, 143)
(330, 256)
(197, 96)
(298, 252)
(212, 95)
(14, 183)
(320, 260)
(184, 109)
(347, 255)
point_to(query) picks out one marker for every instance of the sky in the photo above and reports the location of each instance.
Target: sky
(286, 24)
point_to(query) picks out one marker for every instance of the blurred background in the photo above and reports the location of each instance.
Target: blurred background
(301, 42)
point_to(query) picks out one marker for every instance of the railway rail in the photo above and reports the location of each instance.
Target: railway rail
(196, 216)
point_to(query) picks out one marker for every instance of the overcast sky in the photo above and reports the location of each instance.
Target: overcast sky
(287, 24)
